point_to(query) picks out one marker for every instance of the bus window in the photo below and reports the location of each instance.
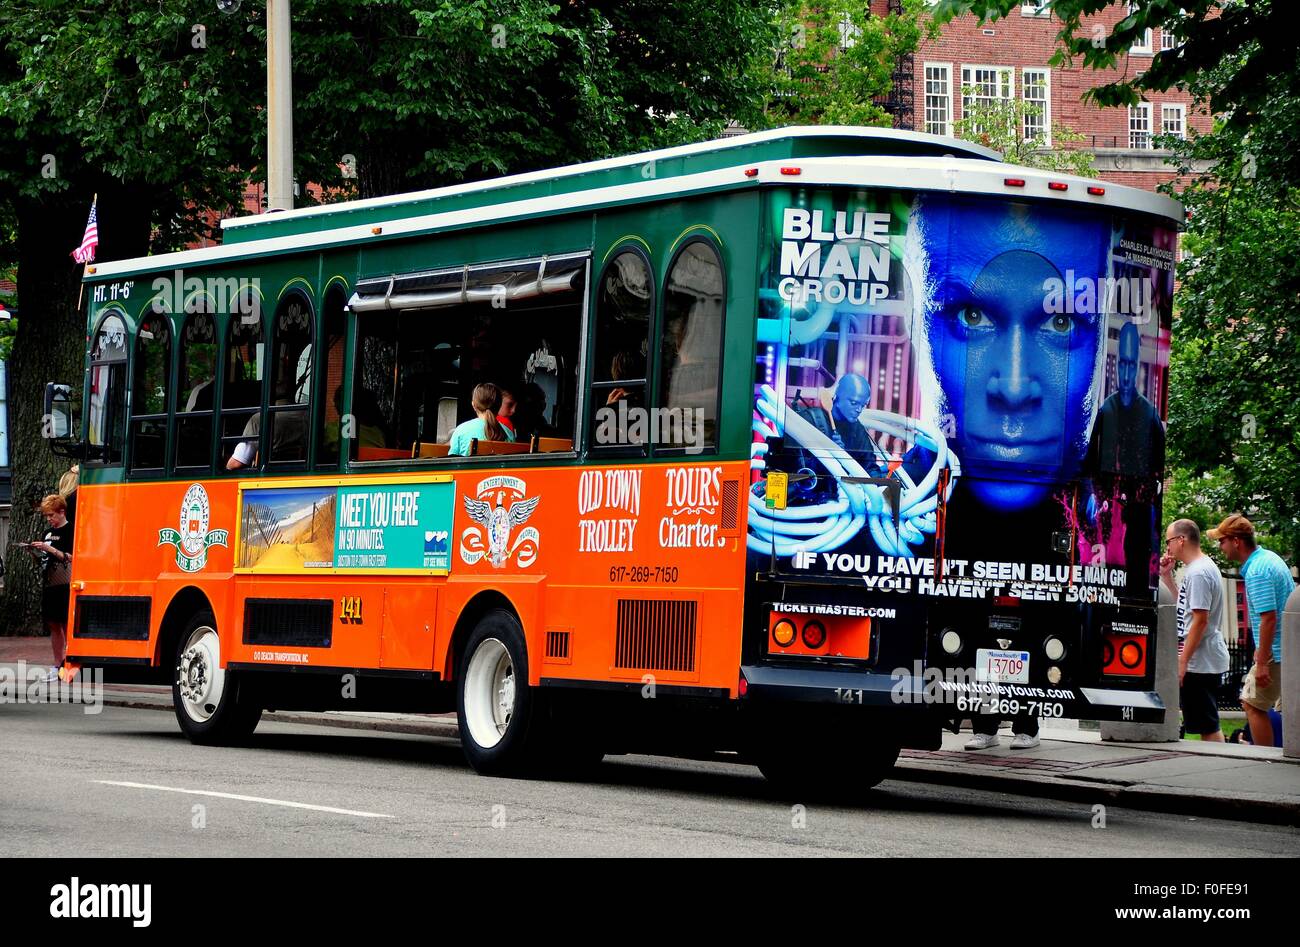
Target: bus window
(691, 348)
(516, 325)
(198, 370)
(330, 384)
(108, 362)
(290, 410)
(151, 383)
(624, 304)
(241, 392)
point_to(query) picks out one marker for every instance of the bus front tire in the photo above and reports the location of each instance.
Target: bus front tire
(211, 705)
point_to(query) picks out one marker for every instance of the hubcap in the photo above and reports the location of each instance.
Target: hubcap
(199, 676)
(489, 693)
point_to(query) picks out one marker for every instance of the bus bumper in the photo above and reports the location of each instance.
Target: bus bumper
(767, 684)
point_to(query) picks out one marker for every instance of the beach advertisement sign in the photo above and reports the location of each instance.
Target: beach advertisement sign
(354, 528)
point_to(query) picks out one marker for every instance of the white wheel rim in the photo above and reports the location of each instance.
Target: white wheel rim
(489, 693)
(199, 676)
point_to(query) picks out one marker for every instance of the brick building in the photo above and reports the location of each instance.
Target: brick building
(1010, 59)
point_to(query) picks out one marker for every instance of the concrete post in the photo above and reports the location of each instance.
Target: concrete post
(1166, 652)
(279, 107)
(1291, 676)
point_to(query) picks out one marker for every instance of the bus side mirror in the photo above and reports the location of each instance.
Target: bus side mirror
(58, 420)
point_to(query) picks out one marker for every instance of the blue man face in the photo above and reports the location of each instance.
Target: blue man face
(1130, 346)
(852, 396)
(1016, 377)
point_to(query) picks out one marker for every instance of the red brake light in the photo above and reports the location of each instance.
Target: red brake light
(1096, 191)
(1005, 601)
(1057, 186)
(1014, 182)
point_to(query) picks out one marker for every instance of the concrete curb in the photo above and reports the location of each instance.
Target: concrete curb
(1253, 807)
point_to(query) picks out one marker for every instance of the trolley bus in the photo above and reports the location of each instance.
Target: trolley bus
(819, 440)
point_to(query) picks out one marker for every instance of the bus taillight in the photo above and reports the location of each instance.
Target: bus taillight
(1123, 655)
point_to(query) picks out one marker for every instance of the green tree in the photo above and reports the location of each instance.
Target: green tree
(837, 60)
(1000, 124)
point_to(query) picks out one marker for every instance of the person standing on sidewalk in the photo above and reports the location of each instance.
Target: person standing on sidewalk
(56, 573)
(1268, 586)
(1204, 657)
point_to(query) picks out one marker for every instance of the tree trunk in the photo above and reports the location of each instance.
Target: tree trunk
(49, 346)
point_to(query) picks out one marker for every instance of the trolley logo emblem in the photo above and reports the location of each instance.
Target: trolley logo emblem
(496, 518)
(193, 538)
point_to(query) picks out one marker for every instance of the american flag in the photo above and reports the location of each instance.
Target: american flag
(86, 252)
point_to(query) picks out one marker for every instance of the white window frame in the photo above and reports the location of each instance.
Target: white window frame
(926, 95)
(1036, 8)
(849, 31)
(1180, 110)
(1045, 102)
(1139, 116)
(1142, 46)
(1004, 91)
(1167, 39)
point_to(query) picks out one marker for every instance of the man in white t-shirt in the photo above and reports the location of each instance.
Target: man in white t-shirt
(1203, 657)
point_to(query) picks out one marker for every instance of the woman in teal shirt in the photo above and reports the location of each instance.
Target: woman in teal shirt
(486, 401)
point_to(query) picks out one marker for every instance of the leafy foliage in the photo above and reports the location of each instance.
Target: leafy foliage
(836, 60)
(1000, 124)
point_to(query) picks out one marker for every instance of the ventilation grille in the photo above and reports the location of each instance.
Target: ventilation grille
(557, 645)
(304, 622)
(730, 505)
(655, 635)
(117, 617)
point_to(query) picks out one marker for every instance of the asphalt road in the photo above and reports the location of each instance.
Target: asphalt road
(126, 782)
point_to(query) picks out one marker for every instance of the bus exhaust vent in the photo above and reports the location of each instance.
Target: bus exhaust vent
(557, 646)
(730, 505)
(116, 617)
(302, 622)
(655, 635)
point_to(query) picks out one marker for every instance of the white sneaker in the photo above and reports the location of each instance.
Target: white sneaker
(1024, 741)
(982, 741)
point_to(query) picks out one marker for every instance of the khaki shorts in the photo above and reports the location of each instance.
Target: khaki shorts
(1263, 698)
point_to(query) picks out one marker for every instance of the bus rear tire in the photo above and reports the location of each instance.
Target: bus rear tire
(211, 705)
(503, 721)
(825, 772)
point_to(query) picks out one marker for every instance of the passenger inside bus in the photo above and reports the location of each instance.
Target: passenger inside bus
(484, 426)
(417, 370)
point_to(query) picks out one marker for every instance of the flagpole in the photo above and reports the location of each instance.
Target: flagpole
(81, 289)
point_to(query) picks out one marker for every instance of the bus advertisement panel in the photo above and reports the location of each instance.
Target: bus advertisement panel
(972, 380)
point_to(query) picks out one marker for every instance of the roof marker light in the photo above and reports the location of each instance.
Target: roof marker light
(751, 172)
(791, 170)
(1096, 191)
(1057, 186)
(376, 230)
(1014, 182)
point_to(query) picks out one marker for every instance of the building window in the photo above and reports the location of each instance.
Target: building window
(1036, 88)
(1139, 126)
(1035, 8)
(690, 353)
(849, 31)
(984, 86)
(1173, 120)
(197, 380)
(149, 393)
(1143, 43)
(108, 357)
(624, 311)
(938, 98)
(1167, 39)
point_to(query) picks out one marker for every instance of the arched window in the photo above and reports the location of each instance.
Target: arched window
(695, 296)
(150, 387)
(108, 365)
(624, 305)
(241, 390)
(332, 372)
(289, 413)
(194, 404)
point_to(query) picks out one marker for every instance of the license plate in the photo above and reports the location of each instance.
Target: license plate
(1005, 667)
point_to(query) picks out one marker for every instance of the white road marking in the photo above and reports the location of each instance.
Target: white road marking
(236, 796)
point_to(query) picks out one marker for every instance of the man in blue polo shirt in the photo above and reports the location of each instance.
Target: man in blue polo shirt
(1268, 586)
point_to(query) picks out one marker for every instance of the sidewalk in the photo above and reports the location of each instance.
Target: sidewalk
(1189, 777)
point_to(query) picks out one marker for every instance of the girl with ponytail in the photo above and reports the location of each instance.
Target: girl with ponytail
(485, 426)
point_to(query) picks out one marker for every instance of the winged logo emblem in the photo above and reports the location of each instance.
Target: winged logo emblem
(495, 525)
